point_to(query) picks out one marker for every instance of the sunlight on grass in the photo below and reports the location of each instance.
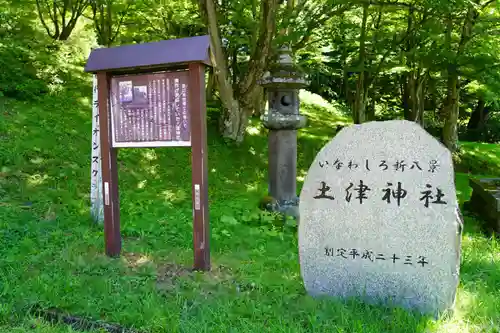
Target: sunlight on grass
(37, 160)
(307, 135)
(135, 259)
(85, 101)
(149, 155)
(37, 179)
(152, 169)
(174, 196)
(307, 97)
(464, 302)
(480, 158)
(254, 130)
(252, 187)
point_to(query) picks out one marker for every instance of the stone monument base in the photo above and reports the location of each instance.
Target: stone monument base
(485, 201)
(289, 208)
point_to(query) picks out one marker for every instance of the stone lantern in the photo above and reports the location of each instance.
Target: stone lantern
(283, 119)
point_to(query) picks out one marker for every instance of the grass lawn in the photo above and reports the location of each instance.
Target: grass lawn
(52, 255)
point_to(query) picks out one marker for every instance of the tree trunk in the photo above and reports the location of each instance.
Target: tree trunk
(259, 57)
(433, 96)
(478, 117)
(57, 12)
(421, 101)
(66, 32)
(106, 27)
(405, 98)
(412, 88)
(209, 92)
(344, 89)
(230, 120)
(409, 79)
(234, 67)
(260, 102)
(414, 99)
(370, 111)
(239, 104)
(450, 110)
(360, 99)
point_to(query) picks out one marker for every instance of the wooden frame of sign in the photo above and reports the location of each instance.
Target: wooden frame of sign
(153, 95)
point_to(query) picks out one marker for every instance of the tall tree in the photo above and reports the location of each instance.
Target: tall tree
(243, 49)
(361, 96)
(237, 97)
(108, 17)
(59, 17)
(470, 17)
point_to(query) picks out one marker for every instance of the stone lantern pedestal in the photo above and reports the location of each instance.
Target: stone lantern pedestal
(283, 119)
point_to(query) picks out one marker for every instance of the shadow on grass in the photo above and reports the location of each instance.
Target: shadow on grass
(479, 158)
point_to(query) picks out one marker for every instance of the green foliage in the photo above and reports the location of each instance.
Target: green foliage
(153, 20)
(323, 33)
(479, 158)
(19, 77)
(490, 133)
(400, 43)
(32, 63)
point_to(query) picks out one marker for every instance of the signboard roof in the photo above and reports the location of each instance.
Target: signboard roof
(165, 53)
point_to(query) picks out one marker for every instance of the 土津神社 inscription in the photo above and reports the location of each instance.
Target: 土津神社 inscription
(392, 191)
(379, 218)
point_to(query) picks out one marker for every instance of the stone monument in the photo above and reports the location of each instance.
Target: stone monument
(379, 218)
(485, 201)
(283, 119)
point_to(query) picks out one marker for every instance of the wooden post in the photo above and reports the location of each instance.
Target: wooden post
(96, 201)
(109, 171)
(199, 153)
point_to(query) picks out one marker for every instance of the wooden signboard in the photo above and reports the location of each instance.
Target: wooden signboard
(150, 110)
(153, 95)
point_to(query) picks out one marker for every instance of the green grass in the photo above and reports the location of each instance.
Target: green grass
(52, 254)
(480, 158)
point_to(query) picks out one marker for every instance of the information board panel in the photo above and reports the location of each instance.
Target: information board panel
(150, 110)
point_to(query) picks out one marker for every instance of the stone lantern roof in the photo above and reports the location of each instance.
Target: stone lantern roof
(284, 73)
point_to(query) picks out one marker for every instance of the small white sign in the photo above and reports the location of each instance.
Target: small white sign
(106, 193)
(197, 197)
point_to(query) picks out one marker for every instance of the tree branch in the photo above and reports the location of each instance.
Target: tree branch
(40, 15)
(125, 12)
(395, 43)
(158, 31)
(259, 56)
(315, 23)
(487, 4)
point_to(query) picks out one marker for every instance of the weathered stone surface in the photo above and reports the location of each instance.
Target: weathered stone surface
(405, 254)
(278, 121)
(485, 201)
